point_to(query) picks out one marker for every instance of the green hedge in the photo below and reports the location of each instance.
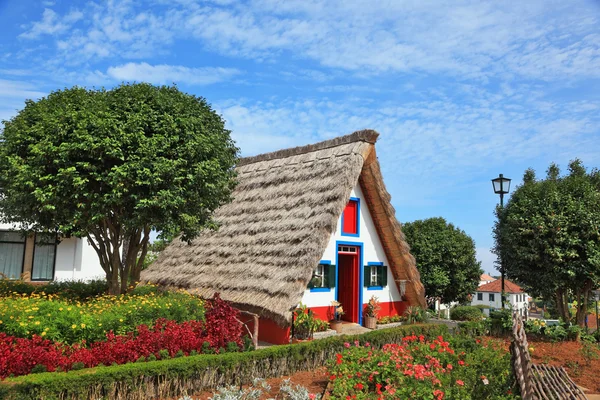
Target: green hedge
(188, 375)
(466, 313)
(68, 290)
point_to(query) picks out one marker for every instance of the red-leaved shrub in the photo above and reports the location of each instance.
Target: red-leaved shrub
(19, 356)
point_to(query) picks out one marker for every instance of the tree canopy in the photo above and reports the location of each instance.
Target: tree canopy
(548, 236)
(113, 165)
(445, 258)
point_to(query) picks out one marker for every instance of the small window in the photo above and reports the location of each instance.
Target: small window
(375, 275)
(492, 297)
(480, 296)
(12, 254)
(44, 257)
(350, 218)
(323, 277)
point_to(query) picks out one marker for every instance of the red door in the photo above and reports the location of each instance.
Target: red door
(348, 282)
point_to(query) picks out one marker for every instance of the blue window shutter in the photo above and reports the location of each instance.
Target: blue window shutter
(330, 276)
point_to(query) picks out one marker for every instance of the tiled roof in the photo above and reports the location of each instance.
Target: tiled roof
(486, 277)
(496, 287)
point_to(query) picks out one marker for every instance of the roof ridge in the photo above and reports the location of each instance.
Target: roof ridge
(365, 135)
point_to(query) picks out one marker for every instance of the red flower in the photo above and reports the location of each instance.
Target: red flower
(460, 383)
(359, 386)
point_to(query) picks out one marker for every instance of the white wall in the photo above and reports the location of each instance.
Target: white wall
(521, 305)
(372, 252)
(75, 259)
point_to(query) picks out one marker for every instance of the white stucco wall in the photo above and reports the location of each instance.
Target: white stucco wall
(372, 252)
(75, 259)
(521, 305)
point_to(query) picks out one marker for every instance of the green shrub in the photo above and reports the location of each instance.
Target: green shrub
(482, 306)
(68, 290)
(193, 372)
(472, 328)
(72, 321)
(500, 322)
(466, 313)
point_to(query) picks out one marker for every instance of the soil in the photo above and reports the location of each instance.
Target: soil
(314, 381)
(569, 356)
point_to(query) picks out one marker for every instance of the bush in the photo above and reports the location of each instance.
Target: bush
(171, 378)
(466, 313)
(164, 340)
(68, 290)
(390, 320)
(415, 314)
(71, 322)
(419, 368)
(473, 328)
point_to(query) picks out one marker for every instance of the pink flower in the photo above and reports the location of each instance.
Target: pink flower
(460, 383)
(347, 345)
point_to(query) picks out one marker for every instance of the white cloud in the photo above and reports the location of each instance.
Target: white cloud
(52, 24)
(13, 95)
(547, 40)
(167, 74)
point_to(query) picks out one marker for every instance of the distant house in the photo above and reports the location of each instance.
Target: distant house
(42, 258)
(485, 278)
(310, 224)
(490, 294)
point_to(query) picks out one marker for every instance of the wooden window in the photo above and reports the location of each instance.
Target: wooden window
(350, 218)
(12, 254)
(375, 275)
(480, 296)
(323, 278)
(44, 257)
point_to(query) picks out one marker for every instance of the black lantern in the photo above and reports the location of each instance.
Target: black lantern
(501, 186)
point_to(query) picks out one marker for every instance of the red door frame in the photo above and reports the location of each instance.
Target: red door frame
(350, 271)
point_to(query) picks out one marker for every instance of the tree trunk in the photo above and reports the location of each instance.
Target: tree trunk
(561, 305)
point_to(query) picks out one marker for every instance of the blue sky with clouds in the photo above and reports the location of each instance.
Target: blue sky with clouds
(459, 92)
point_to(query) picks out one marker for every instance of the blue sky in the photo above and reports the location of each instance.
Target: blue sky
(459, 92)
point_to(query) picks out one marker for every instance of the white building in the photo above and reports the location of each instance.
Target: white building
(39, 258)
(490, 294)
(485, 278)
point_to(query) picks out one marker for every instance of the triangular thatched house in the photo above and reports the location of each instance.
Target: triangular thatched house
(309, 224)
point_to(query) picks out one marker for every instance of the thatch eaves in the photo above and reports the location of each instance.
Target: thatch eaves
(274, 232)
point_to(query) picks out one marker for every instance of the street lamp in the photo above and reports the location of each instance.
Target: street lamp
(501, 186)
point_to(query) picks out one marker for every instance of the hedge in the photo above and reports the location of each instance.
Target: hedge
(466, 313)
(188, 375)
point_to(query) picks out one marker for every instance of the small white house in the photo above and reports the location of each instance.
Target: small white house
(490, 294)
(38, 257)
(485, 278)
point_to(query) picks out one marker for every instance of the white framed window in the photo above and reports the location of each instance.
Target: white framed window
(375, 280)
(320, 276)
(12, 254)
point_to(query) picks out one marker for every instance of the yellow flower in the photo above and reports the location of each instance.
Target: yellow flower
(60, 309)
(0, 322)
(82, 325)
(121, 319)
(74, 326)
(37, 322)
(99, 324)
(43, 333)
(68, 308)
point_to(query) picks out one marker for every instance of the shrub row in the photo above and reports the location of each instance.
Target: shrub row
(165, 339)
(69, 290)
(180, 376)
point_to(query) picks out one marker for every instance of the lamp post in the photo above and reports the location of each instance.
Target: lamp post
(501, 186)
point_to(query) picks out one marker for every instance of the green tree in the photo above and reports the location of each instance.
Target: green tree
(548, 239)
(113, 165)
(445, 258)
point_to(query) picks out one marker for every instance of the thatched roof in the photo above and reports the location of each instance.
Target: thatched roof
(276, 229)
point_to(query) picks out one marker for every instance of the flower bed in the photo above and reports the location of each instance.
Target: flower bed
(419, 368)
(177, 376)
(165, 339)
(54, 318)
